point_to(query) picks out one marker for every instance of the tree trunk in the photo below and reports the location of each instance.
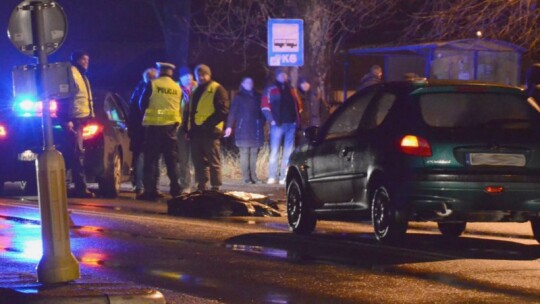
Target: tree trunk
(176, 17)
(317, 59)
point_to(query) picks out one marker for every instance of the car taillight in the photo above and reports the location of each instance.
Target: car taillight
(494, 189)
(415, 145)
(91, 130)
(53, 107)
(3, 132)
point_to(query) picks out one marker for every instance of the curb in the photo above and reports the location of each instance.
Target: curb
(80, 293)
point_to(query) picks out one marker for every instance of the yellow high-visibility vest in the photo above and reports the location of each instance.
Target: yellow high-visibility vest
(164, 106)
(205, 107)
(82, 105)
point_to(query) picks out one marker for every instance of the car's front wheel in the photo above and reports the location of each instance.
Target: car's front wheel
(535, 225)
(389, 222)
(452, 230)
(109, 185)
(302, 219)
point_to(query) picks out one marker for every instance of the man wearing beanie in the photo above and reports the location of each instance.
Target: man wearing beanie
(281, 107)
(160, 104)
(205, 116)
(188, 85)
(80, 110)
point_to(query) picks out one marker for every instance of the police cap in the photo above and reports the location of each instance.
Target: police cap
(165, 65)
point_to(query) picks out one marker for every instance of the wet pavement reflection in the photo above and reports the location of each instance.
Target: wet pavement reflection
(271, 264)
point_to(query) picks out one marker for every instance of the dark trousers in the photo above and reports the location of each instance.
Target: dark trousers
(206, 160)
(184, 163)
(137, 166)
(74, 153)
(248, 162)
(160, 140)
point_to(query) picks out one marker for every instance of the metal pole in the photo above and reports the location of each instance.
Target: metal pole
(38, 27)
(57, 264)
(345, 77)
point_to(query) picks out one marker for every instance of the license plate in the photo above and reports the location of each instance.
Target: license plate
(27, 156)
(496, 159)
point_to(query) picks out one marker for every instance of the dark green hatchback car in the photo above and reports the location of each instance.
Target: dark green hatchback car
(445, 151)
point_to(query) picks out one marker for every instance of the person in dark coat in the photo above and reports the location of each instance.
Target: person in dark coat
(373, 77)
(136, 129)
(311, 116)
(247, 120)
(532, 82)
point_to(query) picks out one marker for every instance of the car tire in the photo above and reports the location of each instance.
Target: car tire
(452, 230)
(389, 222)
(2, 187)
(109, 185)
(300, 215)
(535, 225)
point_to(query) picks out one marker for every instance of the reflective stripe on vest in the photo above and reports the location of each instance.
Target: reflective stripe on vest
(164, 106)
(205, 107)
(82, 105)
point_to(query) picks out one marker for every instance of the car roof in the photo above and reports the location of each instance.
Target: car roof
(427, 83)
(422, 86)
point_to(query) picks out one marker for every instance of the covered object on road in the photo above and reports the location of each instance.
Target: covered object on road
(467, 59)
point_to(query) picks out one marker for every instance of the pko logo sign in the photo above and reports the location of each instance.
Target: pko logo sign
(283, 60)
(285, 42)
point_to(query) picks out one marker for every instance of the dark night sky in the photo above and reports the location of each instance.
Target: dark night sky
(123, 38)
(122, 41)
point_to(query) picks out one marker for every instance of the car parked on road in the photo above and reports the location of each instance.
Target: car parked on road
(108, 158)
(445, 151)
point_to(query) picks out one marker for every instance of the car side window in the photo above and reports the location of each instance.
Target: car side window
(378, 110)
(348, 118)
(114, 113)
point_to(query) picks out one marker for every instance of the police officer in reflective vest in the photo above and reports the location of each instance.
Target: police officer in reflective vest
(79, 111)
(160, 104)
(205, 116)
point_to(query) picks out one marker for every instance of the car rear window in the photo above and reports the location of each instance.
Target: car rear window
(472, 110)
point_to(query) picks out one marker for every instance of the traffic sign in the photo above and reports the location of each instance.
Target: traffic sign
(285, 42)
(20, 27)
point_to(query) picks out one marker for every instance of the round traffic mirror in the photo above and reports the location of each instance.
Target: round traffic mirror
(20, 26)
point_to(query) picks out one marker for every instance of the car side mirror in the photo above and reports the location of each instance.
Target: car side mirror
(311, 133)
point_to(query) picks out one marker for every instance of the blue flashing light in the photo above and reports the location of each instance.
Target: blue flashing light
(28, 107)
(25, 107)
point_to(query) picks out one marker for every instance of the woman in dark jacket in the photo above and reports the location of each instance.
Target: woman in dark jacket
(246, 118)
(136, 129)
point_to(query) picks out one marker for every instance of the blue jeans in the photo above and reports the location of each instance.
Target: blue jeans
(280, 134)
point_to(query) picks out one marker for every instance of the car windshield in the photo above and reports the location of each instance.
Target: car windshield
(476, 110)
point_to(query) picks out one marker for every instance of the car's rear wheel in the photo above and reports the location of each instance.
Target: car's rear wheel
(535, 225)
(452, 230)
(109, 185)
(300, 215)
(389, 222)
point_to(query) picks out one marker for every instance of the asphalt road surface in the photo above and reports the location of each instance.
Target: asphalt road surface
(257, 260)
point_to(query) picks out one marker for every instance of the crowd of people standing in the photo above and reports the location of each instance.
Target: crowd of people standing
(185, 121)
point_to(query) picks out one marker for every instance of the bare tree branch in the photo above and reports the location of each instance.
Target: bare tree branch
(517, 21)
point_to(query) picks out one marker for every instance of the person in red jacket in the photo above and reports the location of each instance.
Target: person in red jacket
(281, 107)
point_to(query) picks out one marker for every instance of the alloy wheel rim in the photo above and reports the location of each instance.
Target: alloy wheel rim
(293, 205)
(379, 212)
